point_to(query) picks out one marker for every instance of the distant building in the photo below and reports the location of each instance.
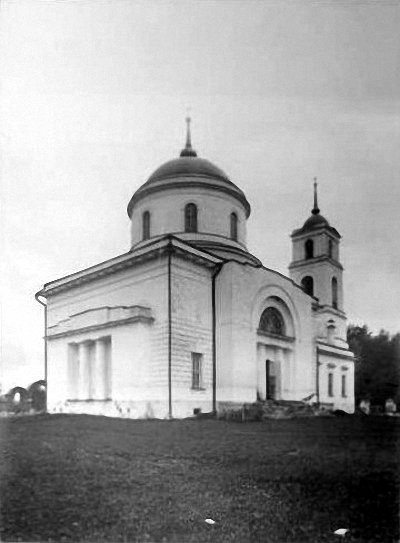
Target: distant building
(189, 320)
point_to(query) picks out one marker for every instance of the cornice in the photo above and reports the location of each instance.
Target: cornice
(287, 339)
(300, 233)
(339, 352)
(149, 252)
(315, 260)
(102, 326)
(192, 182)
(331, 310)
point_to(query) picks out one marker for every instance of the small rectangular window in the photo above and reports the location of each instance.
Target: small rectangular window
(197, 370)
(330, 384)
(343, 386)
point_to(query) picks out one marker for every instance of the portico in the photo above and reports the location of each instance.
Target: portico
(89, 369)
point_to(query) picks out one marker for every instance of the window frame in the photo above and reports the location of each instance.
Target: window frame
(274, 315)
(344, 386)
(146, 222)
(191, 218)
(334, 292)
(309, 249)
(234, 223)
(197, 371)
(330, 385)
(304, 286)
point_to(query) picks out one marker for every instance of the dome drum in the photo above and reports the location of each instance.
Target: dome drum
(194, 172)
(218, 208)
(167, 215)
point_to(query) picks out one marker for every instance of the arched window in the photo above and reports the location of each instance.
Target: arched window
(331, 331)
(234, 226)
(309, 248)
(307, 284)
(191, 218)
(272, 322)
(330, 248)
(146, 225)
(334, 293)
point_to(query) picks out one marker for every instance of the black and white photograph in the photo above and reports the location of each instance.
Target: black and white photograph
(200, 271)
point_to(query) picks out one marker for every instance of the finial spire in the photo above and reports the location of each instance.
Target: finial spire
(188, 134)
(188, 150)
(315, 209)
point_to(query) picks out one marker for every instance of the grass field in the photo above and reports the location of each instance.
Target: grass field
(82, 478)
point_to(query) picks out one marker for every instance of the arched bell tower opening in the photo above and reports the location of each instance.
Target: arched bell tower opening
(309, 249)
(315, 263)
(307, 284)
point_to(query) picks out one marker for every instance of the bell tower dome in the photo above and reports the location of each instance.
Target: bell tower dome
(315, 259)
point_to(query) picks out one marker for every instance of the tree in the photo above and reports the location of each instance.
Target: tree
(377, 364)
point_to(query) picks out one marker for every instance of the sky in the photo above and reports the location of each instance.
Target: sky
(93, 99)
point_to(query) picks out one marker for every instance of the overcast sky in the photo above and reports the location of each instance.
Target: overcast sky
(93, 99)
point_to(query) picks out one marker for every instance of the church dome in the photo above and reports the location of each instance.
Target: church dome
(188, 168)
(185, 165)
(193, 199)
(316, 220)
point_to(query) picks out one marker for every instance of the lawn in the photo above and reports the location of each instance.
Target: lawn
(83, 478)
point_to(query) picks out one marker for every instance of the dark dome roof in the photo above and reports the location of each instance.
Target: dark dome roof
(189, 170)
(188, 165)
(315, 221)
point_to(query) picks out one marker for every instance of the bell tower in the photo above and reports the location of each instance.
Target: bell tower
(315, 260)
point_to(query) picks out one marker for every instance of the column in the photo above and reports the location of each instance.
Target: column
(107, 369)
(91, 370)
(73, 371)
(99, 373)
(83, 384)
(280, 373)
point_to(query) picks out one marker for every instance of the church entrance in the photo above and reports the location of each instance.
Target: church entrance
(270, 380)
(274, 367)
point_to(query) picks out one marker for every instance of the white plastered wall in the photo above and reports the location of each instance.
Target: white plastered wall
(329, 363)
(191, 333)
(139, 372)
(242, 295)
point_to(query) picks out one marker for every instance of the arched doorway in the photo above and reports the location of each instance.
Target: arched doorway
(275, 345)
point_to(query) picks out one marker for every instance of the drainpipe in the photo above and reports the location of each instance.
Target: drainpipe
(317, 375)
(214, 343)
(37, 296)
(170, 249)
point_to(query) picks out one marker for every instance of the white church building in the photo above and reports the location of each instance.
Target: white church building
(188, 320)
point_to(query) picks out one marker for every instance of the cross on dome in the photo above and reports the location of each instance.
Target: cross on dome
(188, 150)
(315, 209)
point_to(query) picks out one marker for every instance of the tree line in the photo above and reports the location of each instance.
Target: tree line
(377, 364)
